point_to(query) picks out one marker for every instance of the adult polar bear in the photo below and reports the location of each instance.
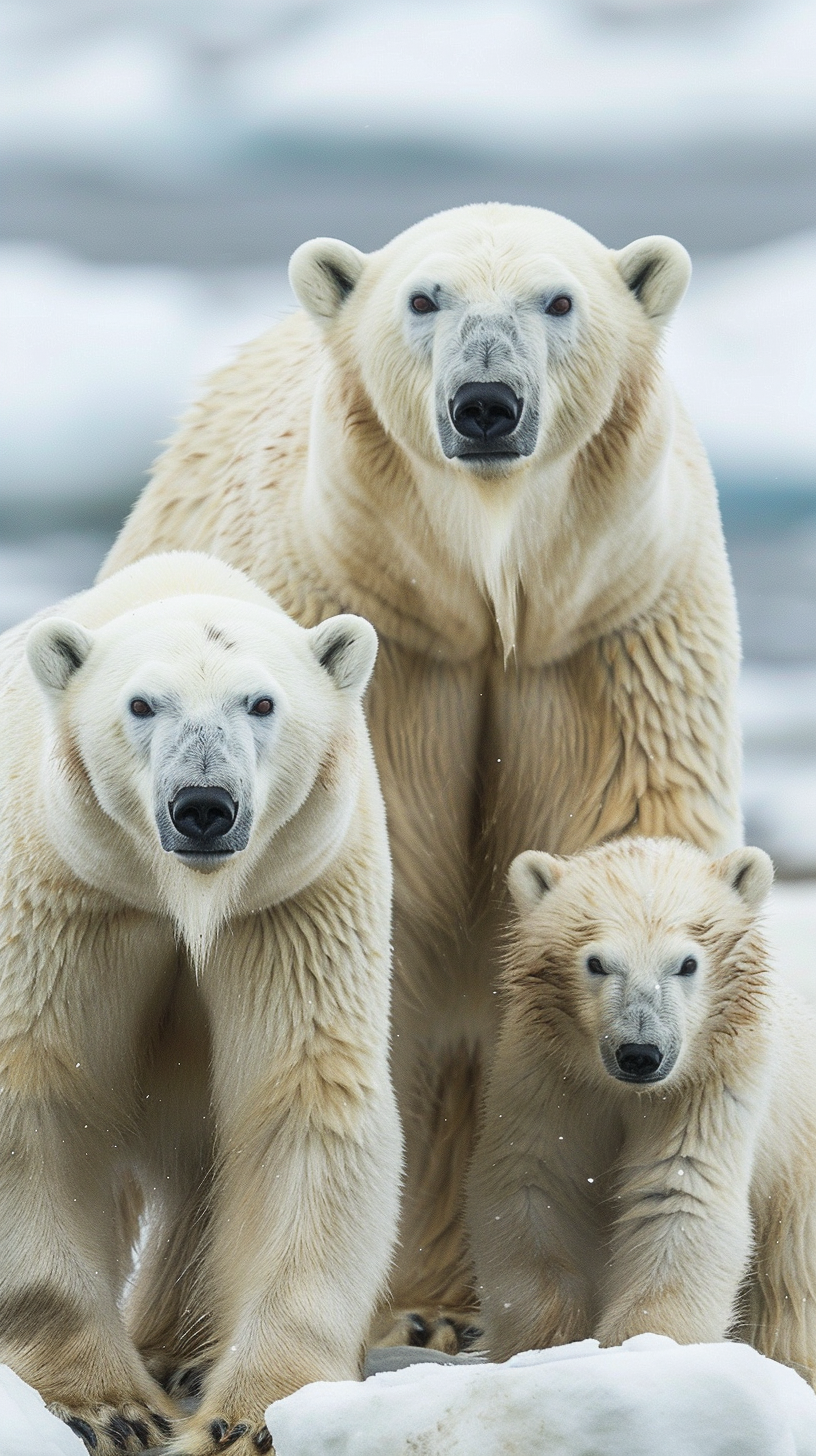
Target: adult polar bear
(195, 917)
(468, 438)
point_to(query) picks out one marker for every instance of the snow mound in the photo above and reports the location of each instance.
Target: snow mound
(28, 1428)
(649, 1395)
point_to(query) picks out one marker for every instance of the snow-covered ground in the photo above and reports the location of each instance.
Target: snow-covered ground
(576, 1400)
(26, 1427)
(648, 1396)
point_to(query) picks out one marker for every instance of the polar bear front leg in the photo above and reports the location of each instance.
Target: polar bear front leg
(301, 1237)
(60, 1327)
(305, 1200)
(682, 1237)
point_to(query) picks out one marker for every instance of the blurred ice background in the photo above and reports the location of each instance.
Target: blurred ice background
(160, 159)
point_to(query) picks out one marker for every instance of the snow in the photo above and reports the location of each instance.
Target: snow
(28, 1428)
(554, 77)
(576, 1400)
(97, 362)
(778, 713)
(791, 929)
(42, 570)
(647, 1396)
(742, 352)
(152, 89)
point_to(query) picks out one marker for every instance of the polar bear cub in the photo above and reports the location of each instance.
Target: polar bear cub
(194, 1003)
(649, 1154)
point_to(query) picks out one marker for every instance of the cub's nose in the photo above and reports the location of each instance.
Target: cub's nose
(638, 1060)
(485, 411)
(203, 814)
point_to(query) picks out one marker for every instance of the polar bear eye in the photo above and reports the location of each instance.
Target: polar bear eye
(688, 967)
(595, 966)
(262, 707)
(421, 303)
(140, 709)
(560, 305)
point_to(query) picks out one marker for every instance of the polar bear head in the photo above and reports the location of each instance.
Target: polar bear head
(641, 960)
(201, 736)
(490, 338)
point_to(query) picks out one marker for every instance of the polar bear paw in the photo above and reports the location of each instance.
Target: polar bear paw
(107, 1430)
(447, 1331)
(202, 1437)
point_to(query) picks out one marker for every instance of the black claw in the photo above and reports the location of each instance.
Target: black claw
(165, 1426)
(263, 1440)
(468, 1335)
(218, 1429)
(119, 1432)
(235, 1434)
(83, 1430)
(140, 1431)
(418, 1330)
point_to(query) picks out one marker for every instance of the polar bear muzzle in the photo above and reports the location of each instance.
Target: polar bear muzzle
(204, 816)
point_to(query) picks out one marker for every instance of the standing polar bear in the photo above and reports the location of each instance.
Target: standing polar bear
(194, 988)
(468, 437)
(648, 1159)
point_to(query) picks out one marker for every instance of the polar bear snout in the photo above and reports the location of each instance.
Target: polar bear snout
(485, 410)
(638, 1061)
(203, 814)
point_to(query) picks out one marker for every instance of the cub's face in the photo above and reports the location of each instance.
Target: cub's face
(490, 337)
(632, 951)
(201, 723)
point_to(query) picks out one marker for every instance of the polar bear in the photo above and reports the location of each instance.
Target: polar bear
(194, 1005)
(468, 437)
(648, 1161)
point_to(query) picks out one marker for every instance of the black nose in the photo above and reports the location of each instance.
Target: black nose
(485, 411)
(638, 1059)
(203, 814)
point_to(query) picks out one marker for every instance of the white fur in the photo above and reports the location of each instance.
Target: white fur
(559, 646)
(684, 1204)
(250, 1102)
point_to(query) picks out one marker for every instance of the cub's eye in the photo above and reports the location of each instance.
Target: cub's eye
(595, 966)
(688, 967)
(560, 305)
(262, 708)
(421, 303)
(140, 709)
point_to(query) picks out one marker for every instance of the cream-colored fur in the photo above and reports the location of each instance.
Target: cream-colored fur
(559, 646)
(207, 1039)
(683, 1204)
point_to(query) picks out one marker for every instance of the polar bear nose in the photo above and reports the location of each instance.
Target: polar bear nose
(203, 813)
(638, 1060)
(485, 411)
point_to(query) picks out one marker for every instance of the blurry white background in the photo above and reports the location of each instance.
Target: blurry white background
(160, 159)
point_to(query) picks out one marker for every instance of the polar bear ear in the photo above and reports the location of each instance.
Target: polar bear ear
(749, 872)
(346, 647)
(56, 649)
(323, 273)
(531, 876)
(657, 270)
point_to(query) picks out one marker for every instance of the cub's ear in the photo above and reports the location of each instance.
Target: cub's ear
(323, 273)
(748, 871)
(657, 270)
(531, 876)
(346, 646)
(56, 649)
